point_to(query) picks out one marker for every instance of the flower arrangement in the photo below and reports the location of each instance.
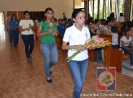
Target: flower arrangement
(92, 43)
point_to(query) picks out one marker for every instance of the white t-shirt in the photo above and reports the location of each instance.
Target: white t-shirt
(77, 37)
(26, 24)
(96, 27)
(108, 30)
(121, 19)
(114, 38)
(126, 41)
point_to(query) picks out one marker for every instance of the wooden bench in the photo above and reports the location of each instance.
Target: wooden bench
(113, 57)
(91, 54)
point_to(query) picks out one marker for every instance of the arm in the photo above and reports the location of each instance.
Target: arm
(56, 32)
(131, 44)
(9, 24)
(65, 46)
(40, 33)
(20, 27)
(31, 25)
(125, 47)
(21, 30)
(59, 33)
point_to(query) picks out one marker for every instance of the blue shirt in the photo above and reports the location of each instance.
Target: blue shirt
(61, 29)
(14, 24)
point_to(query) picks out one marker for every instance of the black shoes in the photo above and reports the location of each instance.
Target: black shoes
(49, 80)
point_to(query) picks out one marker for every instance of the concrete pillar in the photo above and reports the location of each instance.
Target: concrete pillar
(86, 8)
(127, 9)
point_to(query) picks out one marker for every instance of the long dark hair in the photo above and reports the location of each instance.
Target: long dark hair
(13, 16)
(46, 10)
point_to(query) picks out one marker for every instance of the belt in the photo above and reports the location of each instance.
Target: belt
(15, 29)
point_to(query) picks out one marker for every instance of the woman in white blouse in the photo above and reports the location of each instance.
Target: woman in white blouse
(25, 27)
(76, 36)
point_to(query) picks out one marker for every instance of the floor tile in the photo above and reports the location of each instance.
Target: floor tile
(14, 88)
(2, 92)
(35, 83)
(21, 95)
(44, 92)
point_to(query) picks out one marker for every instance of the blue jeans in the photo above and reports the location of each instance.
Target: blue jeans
(78, 71)
(14, 34)
(115, 46)
(130, 52)
(49, 50)
(29, 44)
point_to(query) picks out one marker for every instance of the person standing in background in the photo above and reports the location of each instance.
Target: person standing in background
(61, 29)
(7, 20)
(14, 31)
(65, 23)
(25, 27)
(121, 18)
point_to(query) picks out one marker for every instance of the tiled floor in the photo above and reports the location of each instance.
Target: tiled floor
(19, 79)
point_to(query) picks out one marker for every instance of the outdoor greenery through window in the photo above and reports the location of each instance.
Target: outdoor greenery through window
(105, 8)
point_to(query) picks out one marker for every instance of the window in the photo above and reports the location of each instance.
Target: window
(91, 7)
(95, 9)
(102, 8)
(131, 13)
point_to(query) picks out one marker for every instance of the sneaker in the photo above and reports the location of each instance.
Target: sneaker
(29, 60)
(131, 66)
(30, 56)
(49, 80)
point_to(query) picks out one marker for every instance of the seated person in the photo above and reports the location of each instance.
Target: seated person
(126, 45)
(114, 32)
(97, 24)
(107, 27)
(91, 28)
(98, 53)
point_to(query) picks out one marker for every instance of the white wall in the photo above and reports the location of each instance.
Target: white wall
(59, 6)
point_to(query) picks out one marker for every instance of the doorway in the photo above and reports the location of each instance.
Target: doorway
(2, 27)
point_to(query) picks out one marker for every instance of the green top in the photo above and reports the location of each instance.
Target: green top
(46, 27)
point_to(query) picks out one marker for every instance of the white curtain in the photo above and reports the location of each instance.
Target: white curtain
(117, 9)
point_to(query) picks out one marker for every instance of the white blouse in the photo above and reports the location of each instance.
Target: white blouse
(77, 37)
(26, 24)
